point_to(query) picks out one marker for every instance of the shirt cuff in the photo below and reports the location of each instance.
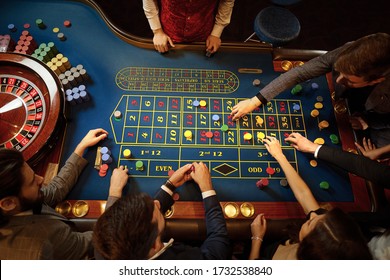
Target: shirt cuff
(217, 30)
(316, 151)
(155, 23)
(261, 98)
(206, 194)
(167, 190)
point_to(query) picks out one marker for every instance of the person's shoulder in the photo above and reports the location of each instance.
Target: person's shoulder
(181, 251)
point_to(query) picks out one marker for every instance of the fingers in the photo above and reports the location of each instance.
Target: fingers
(360, 148)
(171, 42)
(161, 48)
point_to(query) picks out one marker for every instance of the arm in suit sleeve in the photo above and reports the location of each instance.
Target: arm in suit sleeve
(217, 244)
(61, 184)
(166, 200)
(357, 164)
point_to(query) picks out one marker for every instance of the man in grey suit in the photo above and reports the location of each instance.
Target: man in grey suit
(361, 74)
(30, 228)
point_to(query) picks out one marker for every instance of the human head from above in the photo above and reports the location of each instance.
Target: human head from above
(332, 236)
(365, 62)
(130, 229)
(20, 187)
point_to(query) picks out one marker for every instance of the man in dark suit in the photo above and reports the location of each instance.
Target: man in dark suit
(30, 228)
(132, 226)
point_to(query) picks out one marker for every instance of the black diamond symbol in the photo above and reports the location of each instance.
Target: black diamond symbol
(225, 169)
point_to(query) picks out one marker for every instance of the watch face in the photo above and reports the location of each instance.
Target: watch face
(31, 105)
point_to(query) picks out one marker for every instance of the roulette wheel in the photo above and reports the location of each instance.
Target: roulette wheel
(31, 106)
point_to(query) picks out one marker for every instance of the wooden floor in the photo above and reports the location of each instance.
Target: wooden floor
(325, 24)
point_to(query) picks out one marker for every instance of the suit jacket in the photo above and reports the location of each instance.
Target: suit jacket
(377, 102)
(48, 235)
(357, 164)
(217, 244)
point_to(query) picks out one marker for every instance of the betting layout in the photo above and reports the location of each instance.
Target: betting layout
(166, 132)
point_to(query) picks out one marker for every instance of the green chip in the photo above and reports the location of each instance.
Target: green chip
(334, 139)
(324, 185)
(224, 127)
(139, 165)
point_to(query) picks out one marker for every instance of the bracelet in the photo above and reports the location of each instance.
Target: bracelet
(169, 185)
(257, 238)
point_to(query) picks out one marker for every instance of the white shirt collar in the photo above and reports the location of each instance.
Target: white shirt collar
(163, 249)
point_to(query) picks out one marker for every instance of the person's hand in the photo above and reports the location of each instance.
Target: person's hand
(118, 181)
(368, 149)
(301, 143)
(273, 146)
(162, 41)
(358, 123)
(212, 43)
(244, 107)
(181, 175)
(93, 137)
(259, 226)
(201, 176)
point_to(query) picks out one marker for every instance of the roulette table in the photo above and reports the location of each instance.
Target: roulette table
(157, 99)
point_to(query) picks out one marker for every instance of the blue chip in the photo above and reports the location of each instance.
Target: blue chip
(296, 107)
(314, 86)
(195, 103)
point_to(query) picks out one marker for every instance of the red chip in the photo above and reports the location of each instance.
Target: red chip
(262, 183)
(67, 23)
(270, 171)
(209, 134)
(104, 167)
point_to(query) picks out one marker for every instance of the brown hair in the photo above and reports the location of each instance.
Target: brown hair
(11, 177)
(367, 57)
(125, 230)
(335, 237)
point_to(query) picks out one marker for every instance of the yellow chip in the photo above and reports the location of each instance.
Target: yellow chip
(314, 113)
(318, 105)
(259, 120)
(127, 153)
(313, 163)
(203, 103)
(247, 136)
(260, 135)
(188, 134)
(323, 124)
(319, 141)
(56, 30)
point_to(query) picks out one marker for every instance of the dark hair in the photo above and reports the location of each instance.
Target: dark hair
(125, 230)
(367, 57)
(335, 237)
(11, 177)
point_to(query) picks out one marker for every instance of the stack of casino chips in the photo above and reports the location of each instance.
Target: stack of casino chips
(26, 43)
(45, 52)
(106, 160)
(6, 43)
(77, 95)
(59, 64)
(74, 76)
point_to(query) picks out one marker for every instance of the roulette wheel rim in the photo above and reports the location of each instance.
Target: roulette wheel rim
(44, 93)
